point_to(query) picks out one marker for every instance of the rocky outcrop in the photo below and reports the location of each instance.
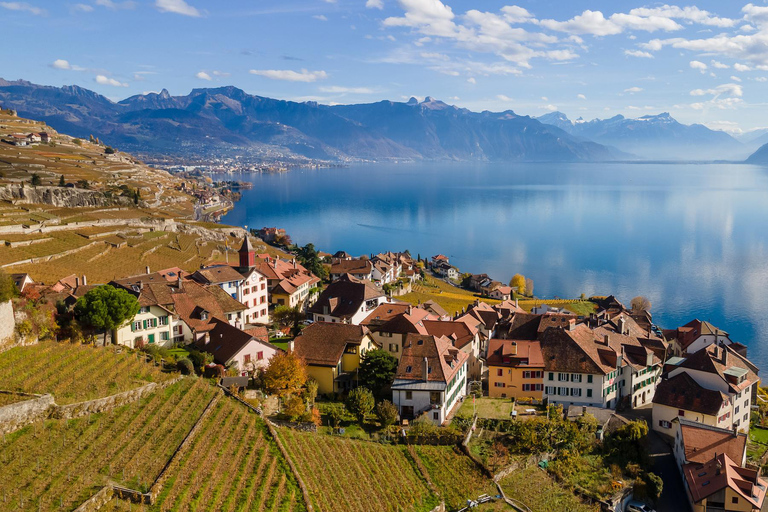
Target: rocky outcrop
(55, 196)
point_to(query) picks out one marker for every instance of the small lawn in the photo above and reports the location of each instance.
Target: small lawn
(495, 408)
(758, 435)
(282, 345)
(178, 352)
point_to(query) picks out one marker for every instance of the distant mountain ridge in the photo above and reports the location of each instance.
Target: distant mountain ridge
(653, 137)
(229, 119)
(759, 157)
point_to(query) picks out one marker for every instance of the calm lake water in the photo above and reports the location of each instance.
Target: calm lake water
(692, 238)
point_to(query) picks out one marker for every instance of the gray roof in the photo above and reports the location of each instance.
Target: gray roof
(418, 385)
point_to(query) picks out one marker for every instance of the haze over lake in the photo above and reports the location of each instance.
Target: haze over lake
(692, 238)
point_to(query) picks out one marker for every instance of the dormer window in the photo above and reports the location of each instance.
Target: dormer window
(408, 369)
(203, 315)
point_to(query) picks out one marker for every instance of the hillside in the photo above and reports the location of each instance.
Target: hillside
(225, 120)
(654, 137)
(759, 157)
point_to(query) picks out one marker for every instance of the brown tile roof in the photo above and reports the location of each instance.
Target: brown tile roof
(717, 360)
(443, 359)
(323, 343)
(386, 312)
(522, 326)
(459, 333)
(682, 392)
(576, 351)
(485, 314)
(344, 297)
(514, 353)
(555, 320)
(721, 472)
(403, 324)
(217, 274)
(289, 274)
(434, 308)
(225, 341)
(259, 332)
(351, 267)
(703, 442)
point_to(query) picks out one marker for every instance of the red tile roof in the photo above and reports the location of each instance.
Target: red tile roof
(515, 353)
(443, 359)
(722, 472)
(703, 442)
(323, 343)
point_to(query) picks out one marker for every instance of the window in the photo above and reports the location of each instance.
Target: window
(499, 385)
(538, 387)
(408, 370)
(589, 392)
(526, 387)
(499, 372)
(562, 391)
(562, 377)
(526, 375)
(436, 416)
(575, 377)
(163, 320)
(589, 379)
(259, 355)
(735, 499)
(575, 391)
(551, 376)
(665, 424)
(737, 410)
(164, 336)
(263, 286)
(136, 326)
(680, 412)
(247, 358)
(409, 394)
(144, 309)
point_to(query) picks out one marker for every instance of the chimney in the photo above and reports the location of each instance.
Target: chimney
(147, 269)
(294, 262)
(718, 467)
(583, 409)
(425, 369)
(605, 341)
(84, 281)
(622, 325)
(77, 282)
(572, 324)
(516, 299)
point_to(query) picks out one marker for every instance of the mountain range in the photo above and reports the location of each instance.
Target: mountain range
(227, 120)
(654, 137)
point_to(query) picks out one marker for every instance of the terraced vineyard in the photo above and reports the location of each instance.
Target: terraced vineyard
(74, 373)
(58, 464)
(533, 487)
(346, 475)
(232, 465)
(456, 476)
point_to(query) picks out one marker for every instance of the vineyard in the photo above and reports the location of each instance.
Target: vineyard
(456, 476)
(535, 488)
(232, 465)
(345, 475)
(58, 464)
(74, 373)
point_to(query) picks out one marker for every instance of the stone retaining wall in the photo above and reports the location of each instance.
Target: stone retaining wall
(16, 415)
(295, 425)
(65, 412)
(7, 321)
(98, 500)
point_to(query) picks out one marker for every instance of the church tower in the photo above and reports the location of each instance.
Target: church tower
(247, 254)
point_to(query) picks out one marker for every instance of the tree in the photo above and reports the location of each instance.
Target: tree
(83, 184)
(285, 375)
(360, 403)
(36, 180)
(466, 278)
(106, 308)
(292, 317)
(294, 407)
(640, 303)
(309, 258)
(386, 411)
(310, 390)
(335, 413)
(377, 369)
(109, 150)
(185, 366)
(8, 288)
(62, 183)
(529, 287)
(518, 283)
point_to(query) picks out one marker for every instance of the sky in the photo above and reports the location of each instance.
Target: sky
(704, 63)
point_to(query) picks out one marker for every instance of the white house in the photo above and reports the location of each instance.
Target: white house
(501, 293)
(431, 378)
(682, 397)
(694, 336)
(347, 300)
(153, 325)
(235, 348)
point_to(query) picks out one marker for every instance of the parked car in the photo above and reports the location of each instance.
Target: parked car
(637, 506)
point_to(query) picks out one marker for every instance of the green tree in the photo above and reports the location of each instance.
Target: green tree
(285, 374)
(292, 317)
(83, 184)
(310, 390)
(465, 280)
(294, 407)
(518, 283)
(386, 411)
(109, 150)
(62, 182)
(309, 258)
(8, 288)
(335, 413)
(106, 308)
(185, 366)
(35, 180)
(360, 403)
(377, 369)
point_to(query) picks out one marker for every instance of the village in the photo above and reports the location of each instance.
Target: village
(486, 369)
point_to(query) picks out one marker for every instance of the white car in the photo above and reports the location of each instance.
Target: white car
(636, 506)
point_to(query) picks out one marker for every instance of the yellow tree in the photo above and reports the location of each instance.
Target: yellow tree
(518, 283)
(285, 375)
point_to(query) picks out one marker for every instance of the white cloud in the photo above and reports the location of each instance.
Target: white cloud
(516, 14)
(290, 75)
(82, 7)
(504, 98)
(735, 78)
(725, 89)
(633, 90)
(596, 24)
(544, 98)
(23, 7)
(695, 64)
(719, 65)
(177, 7)
(61, 64)
(690, 14)
(221, 73)
(320, 17)
(755, 14)
(581, 96)
(724, 96)
(103, 80)
(202, 75)
(472, 80)
(110, 4)
(725, 126)
(761, 79)
(550, 108)
(741, 67)
(345, 90)
(374, 4)
(638, 53)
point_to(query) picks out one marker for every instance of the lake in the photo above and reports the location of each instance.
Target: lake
(692, 238)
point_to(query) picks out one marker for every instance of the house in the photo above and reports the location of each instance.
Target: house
(348, 300)
(388, 266)
(682, 397)
(431, 378)
(342, 255)
(21, 281)
(515, 369)
(716, 369)
(696, 443)
(476, 280)
(445, 270)
(289, 283)
(360, 269)
(435, 309)
(501, 293)
(694, 336)
(721, 485)
(438, 259)
(545, 309)
(332, 352)
(270, 235)
(465, 338)
(234, 348)
(45, 137)
(391, 335)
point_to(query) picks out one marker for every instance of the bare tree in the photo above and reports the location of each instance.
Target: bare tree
(640, 303)
(529, 287)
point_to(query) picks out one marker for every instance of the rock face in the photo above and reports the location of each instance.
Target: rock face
(55, 196)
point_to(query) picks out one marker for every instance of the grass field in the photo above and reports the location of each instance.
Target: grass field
(74, 373)
(451, 298)
(759, 435)
(534, 488)
(497, 408)
(345, 475)
(456, 476)
(57, 464)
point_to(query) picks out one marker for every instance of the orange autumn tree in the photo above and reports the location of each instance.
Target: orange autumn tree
(285, 375)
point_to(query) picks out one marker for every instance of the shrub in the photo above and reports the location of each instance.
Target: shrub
(360, 403)
(185, 366)
(386, 411)
(109, 150)
(294, 407)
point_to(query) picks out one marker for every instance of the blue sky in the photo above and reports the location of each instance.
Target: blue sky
(705, 63)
